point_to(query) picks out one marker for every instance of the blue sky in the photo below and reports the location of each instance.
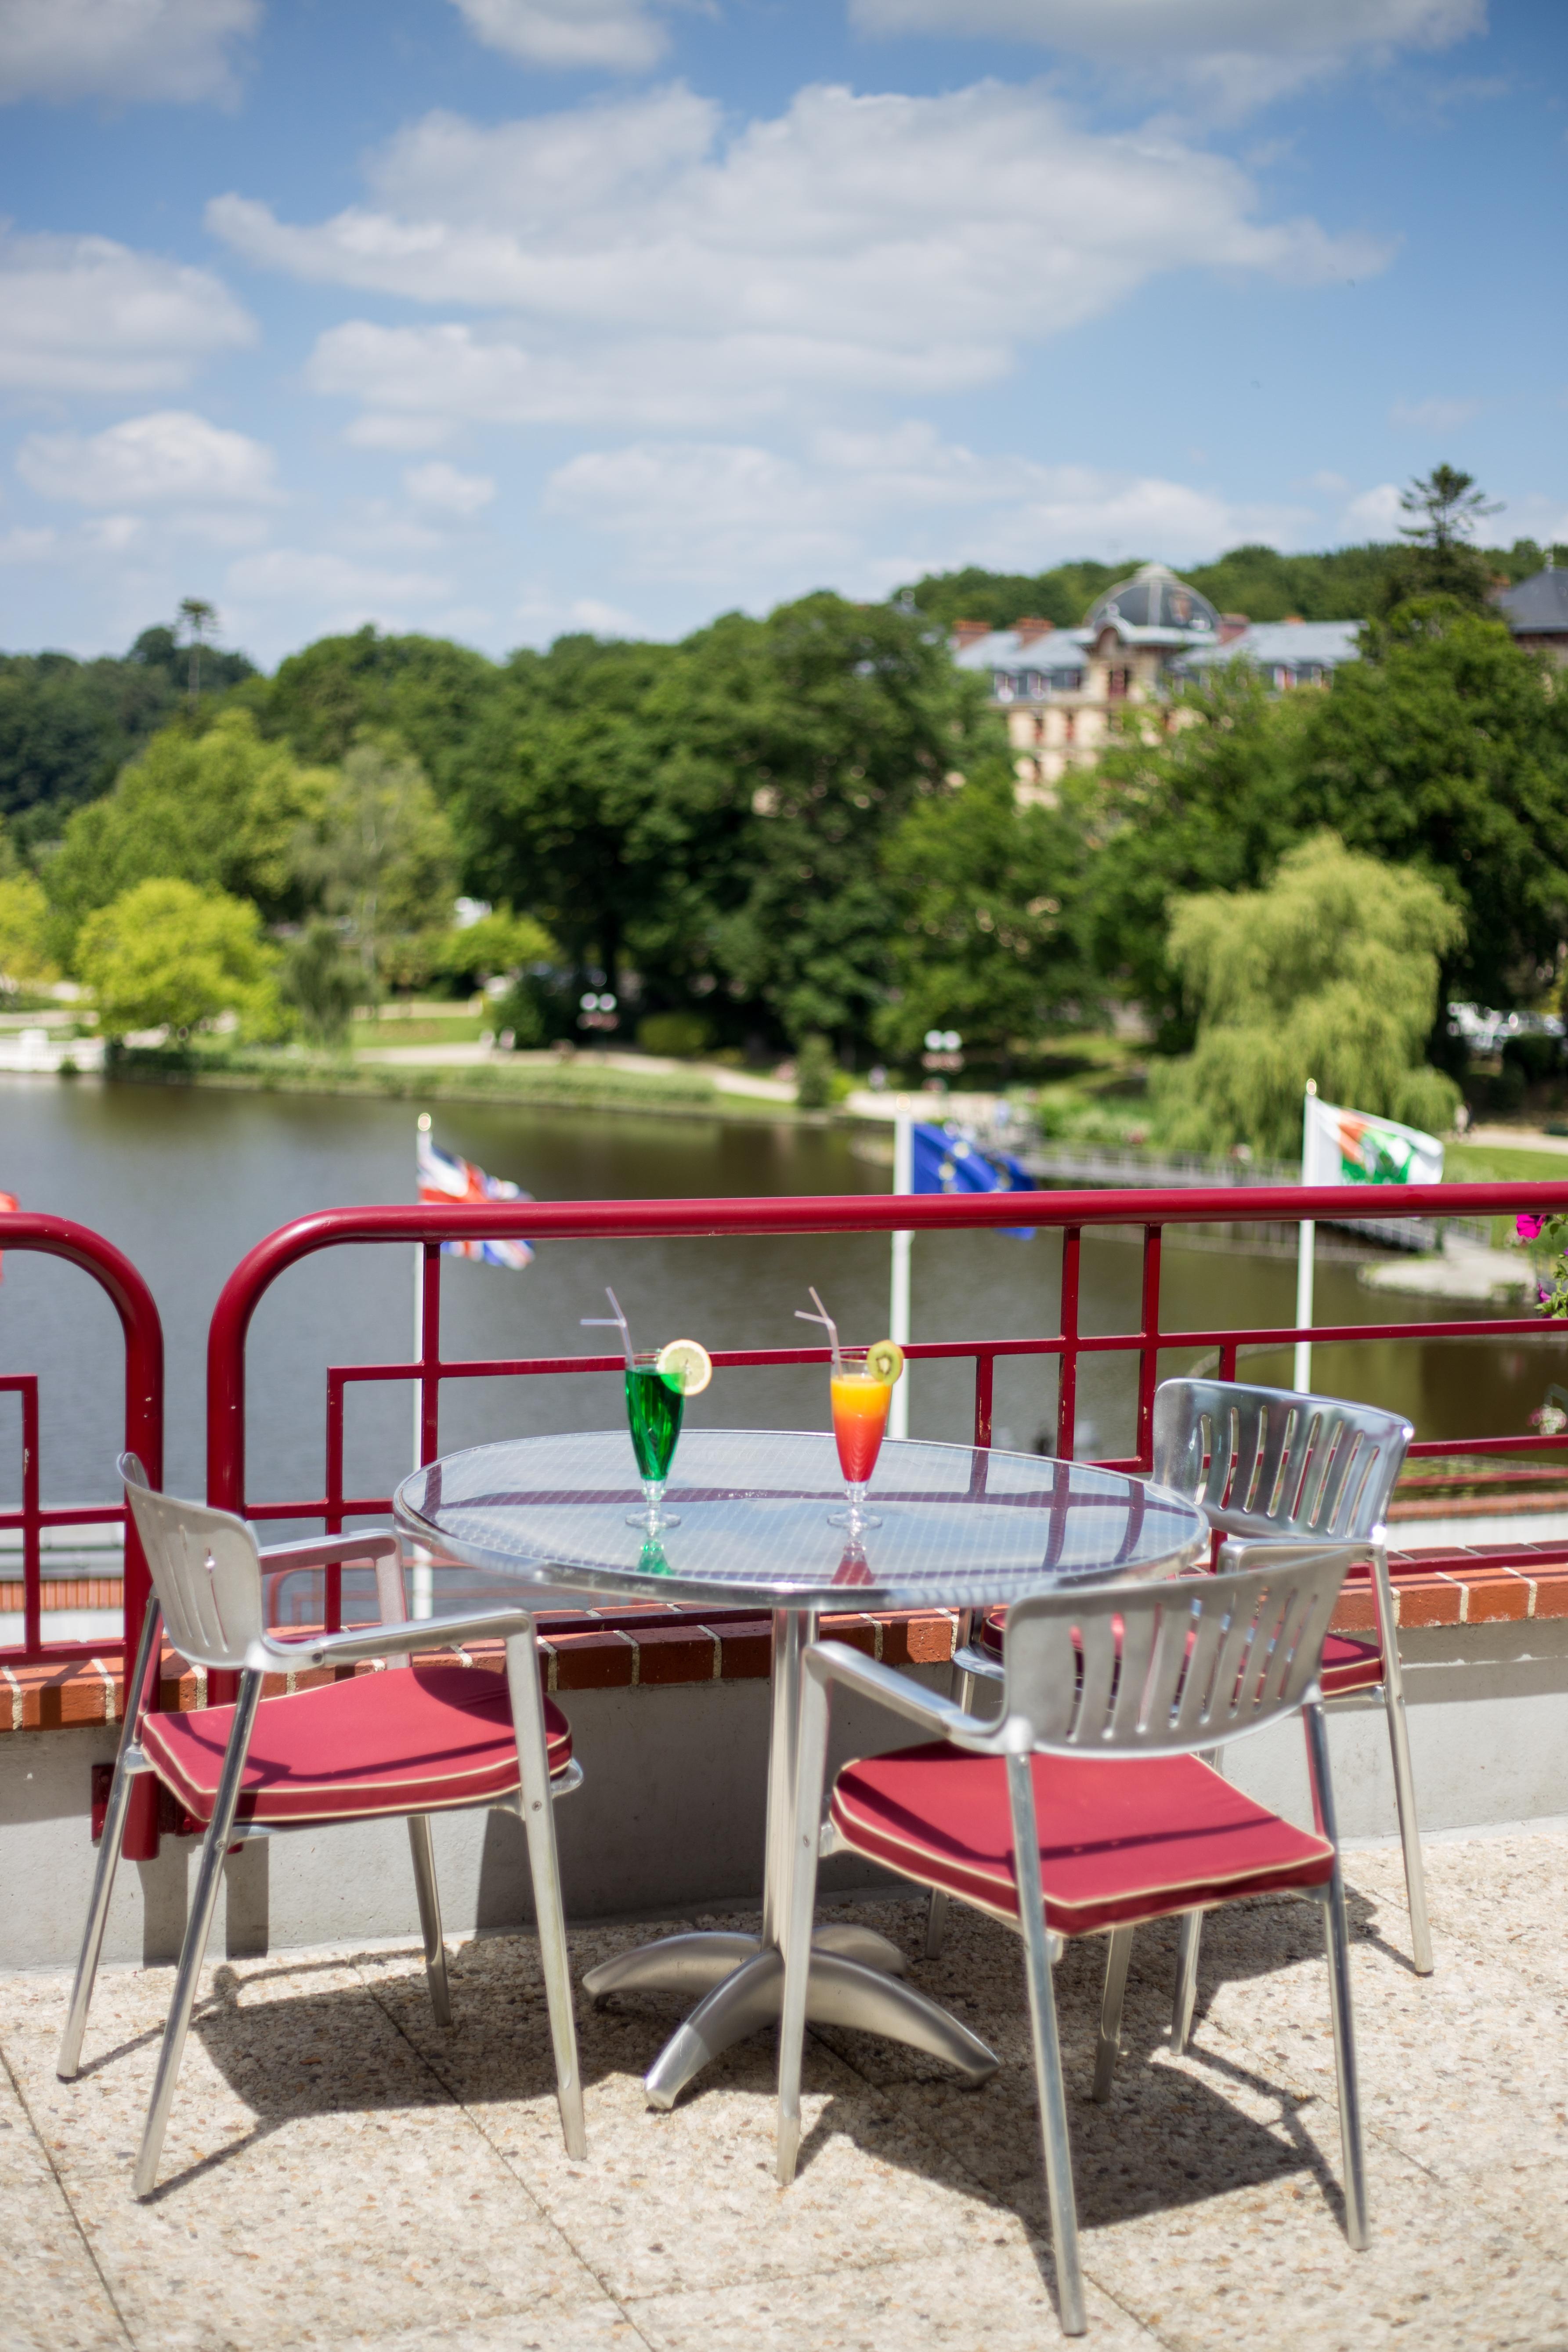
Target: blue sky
(499, 318)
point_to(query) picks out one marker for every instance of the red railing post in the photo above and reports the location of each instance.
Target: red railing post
(1148, 1354)
(144, 1426)
(1066, 1378)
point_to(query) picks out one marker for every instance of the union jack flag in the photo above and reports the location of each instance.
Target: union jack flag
(444, 1178)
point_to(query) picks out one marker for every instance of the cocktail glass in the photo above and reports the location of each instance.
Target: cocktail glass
(860, 1403)
(658, 1385)
(654, 1404)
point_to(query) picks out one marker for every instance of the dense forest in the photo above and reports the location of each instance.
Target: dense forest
(804, 827)
(1348, 584)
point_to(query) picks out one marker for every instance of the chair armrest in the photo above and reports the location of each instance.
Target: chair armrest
(413, 1633)
(1259, 1552)
(835, 1662)
(980, 1664)
(320, 1551)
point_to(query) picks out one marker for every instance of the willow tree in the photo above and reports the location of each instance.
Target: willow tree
(1330, 973)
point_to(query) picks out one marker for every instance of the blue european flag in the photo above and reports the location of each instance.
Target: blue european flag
(947, 1160)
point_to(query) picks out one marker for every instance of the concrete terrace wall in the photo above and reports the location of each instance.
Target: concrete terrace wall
(669, 1820)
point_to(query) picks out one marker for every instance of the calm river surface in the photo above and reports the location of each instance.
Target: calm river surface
(186, 1181)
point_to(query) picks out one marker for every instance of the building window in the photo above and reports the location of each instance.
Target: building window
(1117, 682)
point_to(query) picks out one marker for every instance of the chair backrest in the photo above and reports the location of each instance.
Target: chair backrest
(1272, 1462)
(1163, 1669)
(205, 1569)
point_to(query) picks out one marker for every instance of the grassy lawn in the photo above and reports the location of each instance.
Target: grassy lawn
(1487, 1164)
(457, 1029)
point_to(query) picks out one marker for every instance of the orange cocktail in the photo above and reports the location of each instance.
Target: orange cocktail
(862, 1384)
(860, 1403)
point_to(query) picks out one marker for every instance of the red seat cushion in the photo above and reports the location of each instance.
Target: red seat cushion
(1121, 1841)
(1350, 1664)
(406, 1741)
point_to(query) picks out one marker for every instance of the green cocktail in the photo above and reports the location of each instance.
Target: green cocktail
(655, 1401)
(658, 1385)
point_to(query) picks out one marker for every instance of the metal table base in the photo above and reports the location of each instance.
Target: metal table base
(855, 1973)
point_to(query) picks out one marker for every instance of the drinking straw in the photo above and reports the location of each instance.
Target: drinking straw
(821, 1316)
(603, 1322)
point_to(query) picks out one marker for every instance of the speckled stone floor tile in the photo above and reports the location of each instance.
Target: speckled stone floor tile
(341, 2171)
(992, 2301)
(50, 2292)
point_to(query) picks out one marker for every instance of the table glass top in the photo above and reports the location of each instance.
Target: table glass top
(963, 1527)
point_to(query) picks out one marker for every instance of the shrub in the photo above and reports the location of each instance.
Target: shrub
(684, 1037)
(815, 1074)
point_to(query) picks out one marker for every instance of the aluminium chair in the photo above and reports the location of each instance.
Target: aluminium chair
(426, 1740)
(1276, 1466)
(1085, 1808)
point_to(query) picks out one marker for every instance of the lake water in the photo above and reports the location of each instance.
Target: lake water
(186, 1179)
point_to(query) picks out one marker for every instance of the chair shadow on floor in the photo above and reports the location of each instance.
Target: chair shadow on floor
(1171, 2135)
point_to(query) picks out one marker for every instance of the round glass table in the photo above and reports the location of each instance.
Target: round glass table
(962, 1527)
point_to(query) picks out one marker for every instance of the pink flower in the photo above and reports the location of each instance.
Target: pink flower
(1527, 1226)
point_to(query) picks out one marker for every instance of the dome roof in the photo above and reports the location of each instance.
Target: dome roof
(1155, 599)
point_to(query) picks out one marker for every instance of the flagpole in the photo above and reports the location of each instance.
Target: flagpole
(424, 1580)
(898, 1309)
(1305, 1254)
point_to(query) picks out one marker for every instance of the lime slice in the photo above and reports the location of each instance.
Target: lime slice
(688, 1362)
(885, 1362)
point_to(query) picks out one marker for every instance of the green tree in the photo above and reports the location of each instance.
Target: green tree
(198, 619)
(380, 852)
(817, 729)
(571, 808)
(499, 942)
(166, 954)
(1437, 559)
(24, 959)
(983, 897)
(712, 813)
(321, 982)
(1331, 972)
(435, 696)
(1209, 807)
(1446, 748)
(221, 810)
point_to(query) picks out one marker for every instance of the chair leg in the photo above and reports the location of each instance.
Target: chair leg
(1187, 1980)
(423, 1850)
(544, 1866)
(1403, 1778)
(962, 1695)
(1338, 1941)
(1048, 2048)
(800, 1905)
(69, 2057)
(1119, 1952)
(215, 1846)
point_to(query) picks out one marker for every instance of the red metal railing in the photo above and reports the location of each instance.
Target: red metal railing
(143, 1434)
(1070, 1213)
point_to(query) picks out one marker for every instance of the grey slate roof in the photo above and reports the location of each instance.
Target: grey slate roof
(1538, 607)
(1290, 644)
(1005, 649)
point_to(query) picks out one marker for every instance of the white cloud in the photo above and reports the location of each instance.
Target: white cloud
(171, 457)
(84, 314)
(654, 269)
(20, 545)
(444, 490)
(1376, 513)
(122, 49)
(374, 431)
(867, 509)
(618, 34)
(316, 576)
(1435, 415)
(1238, 53)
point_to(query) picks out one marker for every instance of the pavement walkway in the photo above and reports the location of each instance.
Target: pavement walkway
(340, 2171)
